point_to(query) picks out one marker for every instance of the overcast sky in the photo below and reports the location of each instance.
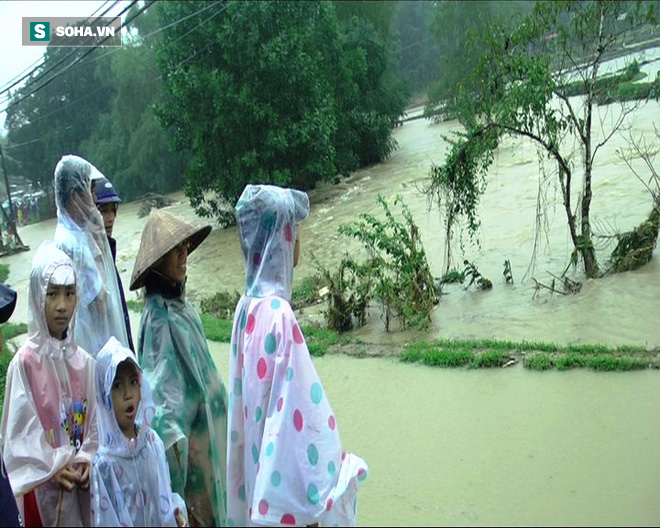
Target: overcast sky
(16, 59)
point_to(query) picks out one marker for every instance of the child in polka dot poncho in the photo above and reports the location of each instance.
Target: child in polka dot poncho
(285, 462)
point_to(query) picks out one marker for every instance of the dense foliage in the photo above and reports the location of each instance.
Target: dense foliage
(97, 104)
(399, 276)
(44, 125)
(457, 27)
(286, 92)
(278, 92)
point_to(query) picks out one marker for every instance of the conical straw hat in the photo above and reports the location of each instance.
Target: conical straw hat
(161, 233)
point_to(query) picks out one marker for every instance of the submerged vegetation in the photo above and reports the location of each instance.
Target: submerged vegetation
(449, 353)
(523, 83)
(635, 248)
(398, 274)
(534, 355)
(469, 353)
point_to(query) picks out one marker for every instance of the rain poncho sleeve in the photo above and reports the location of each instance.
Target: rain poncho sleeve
(130, 478)
(80, 233)
(191, 416)
(49, 414)
(285, 461)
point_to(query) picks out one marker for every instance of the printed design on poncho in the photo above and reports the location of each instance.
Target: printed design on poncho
(284, 417)
(74, 419)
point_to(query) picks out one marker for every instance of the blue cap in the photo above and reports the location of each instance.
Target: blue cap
(105, 191)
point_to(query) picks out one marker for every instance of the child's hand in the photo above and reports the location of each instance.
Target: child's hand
(83, 476)
(67, 477)
(180, 520)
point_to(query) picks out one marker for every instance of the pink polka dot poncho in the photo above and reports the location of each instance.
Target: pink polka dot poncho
(285, 462)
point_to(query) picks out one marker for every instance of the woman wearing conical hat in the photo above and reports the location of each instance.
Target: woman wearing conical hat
(190, 397)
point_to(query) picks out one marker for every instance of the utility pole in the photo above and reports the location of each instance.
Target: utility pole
(10, 221)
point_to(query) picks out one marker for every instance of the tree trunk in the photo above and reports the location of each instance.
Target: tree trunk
(590, 262)
(586, 244)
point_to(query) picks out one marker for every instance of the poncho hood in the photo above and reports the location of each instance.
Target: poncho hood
(47, 261)
(73, 194)
(268, 218)
(111, 438)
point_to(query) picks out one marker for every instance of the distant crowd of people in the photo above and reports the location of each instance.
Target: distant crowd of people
(26, 210)
(101, 429)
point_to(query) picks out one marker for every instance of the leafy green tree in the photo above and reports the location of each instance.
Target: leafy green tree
(519, 88)
(55, 111)
(378, 13)
(248, 93)
(419, 50)
(397, 272)
(128, 145)
(274, 92)
(366, 114)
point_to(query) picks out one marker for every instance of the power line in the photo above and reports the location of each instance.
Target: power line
(7, 90)
(43, 60)
(63, 107)
(155, 32)
(181, 63)
(79, 58)
(72, 66)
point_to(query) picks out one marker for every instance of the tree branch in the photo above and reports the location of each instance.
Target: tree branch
(574, 118)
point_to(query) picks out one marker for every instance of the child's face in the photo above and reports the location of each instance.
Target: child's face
(109, 213)
(60, 303)
(126, 396)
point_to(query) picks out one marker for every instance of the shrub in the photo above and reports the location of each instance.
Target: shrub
(308, 291)
(399, 275)
(349, 294)
(220, 305)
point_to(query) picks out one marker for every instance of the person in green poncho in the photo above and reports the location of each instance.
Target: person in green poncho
(190, 396)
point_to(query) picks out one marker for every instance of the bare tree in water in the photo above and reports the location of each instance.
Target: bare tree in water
(544, 82)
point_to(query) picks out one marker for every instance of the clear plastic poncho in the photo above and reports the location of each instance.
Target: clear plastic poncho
(130, 478)
(191, 404)
(49, 414)
(80, 233)
(285, 461)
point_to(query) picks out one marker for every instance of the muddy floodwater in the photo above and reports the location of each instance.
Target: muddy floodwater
(475, 447)
(503, 447)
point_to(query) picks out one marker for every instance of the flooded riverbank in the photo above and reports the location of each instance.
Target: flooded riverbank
(487, 447)
(496, 447)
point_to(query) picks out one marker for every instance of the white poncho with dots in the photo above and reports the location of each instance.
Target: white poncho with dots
(285, 461)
